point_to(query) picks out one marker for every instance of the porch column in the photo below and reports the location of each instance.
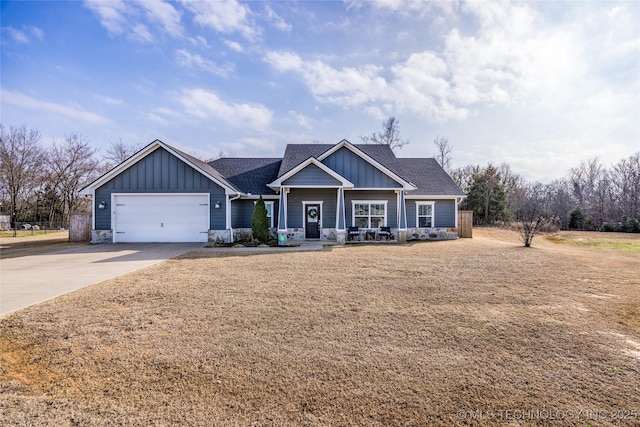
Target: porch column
(340, 218)
(282, 218)
(402, 218)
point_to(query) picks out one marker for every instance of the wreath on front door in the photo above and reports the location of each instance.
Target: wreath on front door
(313, 213)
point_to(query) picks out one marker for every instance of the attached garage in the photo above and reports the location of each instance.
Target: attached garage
(160, 217)
(160, 194)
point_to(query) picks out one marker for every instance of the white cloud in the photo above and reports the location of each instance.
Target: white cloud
(418, 85)
(235, 46)
(25, 35)
(208, 105)
(513, 57)
(300, 119)
(227, 16)
(404, 7)
(284, 61)
(163, 14)
(119, 17)
(187, 59)
(108, 100)
(17, 35)
(141, 33)
(347, 86)
(112, 14)
(199, 41)
(276, 20)
(19, 99)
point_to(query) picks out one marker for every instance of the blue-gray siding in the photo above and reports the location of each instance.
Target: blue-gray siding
(390, 196)
(160, 172)
(296, 196)
(312, 175)
(360, 172)
(445, 213)
(242, 213)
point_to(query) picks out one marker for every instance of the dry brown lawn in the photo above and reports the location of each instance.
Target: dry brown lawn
(26, 244)
(470, 332)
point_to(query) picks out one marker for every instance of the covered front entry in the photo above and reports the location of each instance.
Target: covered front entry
(312, 221)
(160, 217)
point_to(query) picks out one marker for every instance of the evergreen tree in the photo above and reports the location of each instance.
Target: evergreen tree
(260, 222)
(486, 197)
(576, 220)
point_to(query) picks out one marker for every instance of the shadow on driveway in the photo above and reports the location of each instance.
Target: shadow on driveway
(29, 280)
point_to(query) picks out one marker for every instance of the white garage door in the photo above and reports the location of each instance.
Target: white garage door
(160, 217)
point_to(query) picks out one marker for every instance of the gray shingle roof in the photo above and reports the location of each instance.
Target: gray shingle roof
(429, 177)
(298, 153)
(208, 168)
(295, 154)
(250, 175)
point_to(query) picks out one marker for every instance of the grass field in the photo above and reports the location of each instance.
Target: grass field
(470, 332)
(26, 243)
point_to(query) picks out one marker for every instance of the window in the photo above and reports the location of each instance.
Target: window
(369, 214)
(424, 213)
(269, 207)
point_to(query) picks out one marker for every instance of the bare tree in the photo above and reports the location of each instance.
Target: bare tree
(390, 135)
(221, 155)
(118, 152)
(514, 188)
(463, 176)
(443, 155)
(559, 200)
(20, 164)
(71, 165)
(588, 189)
(625, 187)
(533, 219)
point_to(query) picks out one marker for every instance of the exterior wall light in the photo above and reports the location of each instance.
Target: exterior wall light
(102, 205)
(217, 205)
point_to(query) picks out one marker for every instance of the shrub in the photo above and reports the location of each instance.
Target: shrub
(632, 225)
(608, 227)
(260, 222)
(576, 220)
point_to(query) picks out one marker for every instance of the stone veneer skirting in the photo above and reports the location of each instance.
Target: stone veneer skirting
(432, 234)
(101, 236)
(329, 234)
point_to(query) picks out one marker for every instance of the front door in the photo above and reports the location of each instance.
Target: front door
(312, 222)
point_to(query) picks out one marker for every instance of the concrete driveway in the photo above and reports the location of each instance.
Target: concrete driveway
(29, 280)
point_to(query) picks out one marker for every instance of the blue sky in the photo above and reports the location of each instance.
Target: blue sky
(539, 85)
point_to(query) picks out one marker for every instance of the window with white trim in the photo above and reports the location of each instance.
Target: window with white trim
(269, 207)
(369, 214)
(424, 214)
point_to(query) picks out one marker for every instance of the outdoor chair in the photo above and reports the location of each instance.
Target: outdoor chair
(385, 232)
(353, 232)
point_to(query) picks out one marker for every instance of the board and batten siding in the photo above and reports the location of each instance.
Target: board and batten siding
(242, 213)
(328, 197)
(312, 175)
(385, 195)
(444, 211)
(357, 170)
(160, 172)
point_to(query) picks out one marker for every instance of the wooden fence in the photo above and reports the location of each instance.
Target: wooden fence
(465, 224)
(80, 227)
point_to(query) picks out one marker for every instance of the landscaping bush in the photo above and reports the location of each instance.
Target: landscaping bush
(260, 222)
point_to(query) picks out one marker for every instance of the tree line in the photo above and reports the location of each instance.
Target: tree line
(591, 197)
(40, 183)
